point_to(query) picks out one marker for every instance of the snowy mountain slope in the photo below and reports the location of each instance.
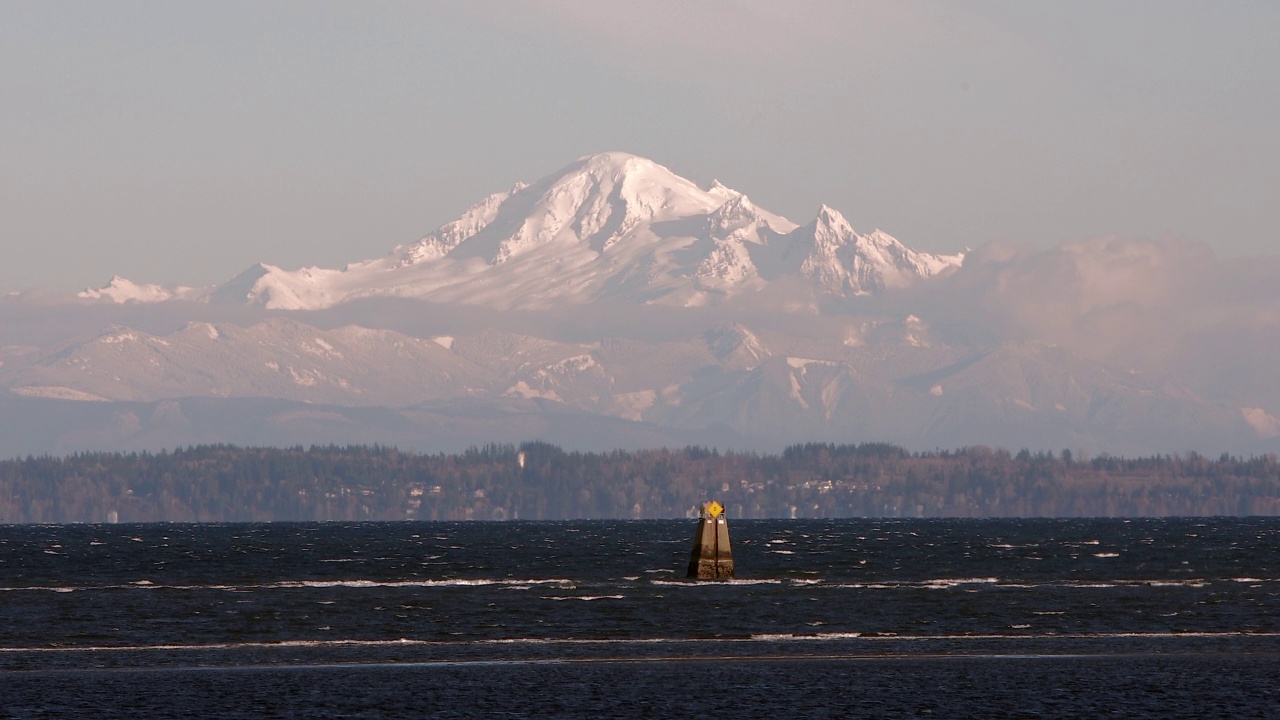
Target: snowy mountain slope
(610, 226)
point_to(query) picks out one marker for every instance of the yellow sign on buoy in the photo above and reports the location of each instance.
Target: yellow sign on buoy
(711, 558)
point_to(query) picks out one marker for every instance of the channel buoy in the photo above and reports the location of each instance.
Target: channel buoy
(711, 558)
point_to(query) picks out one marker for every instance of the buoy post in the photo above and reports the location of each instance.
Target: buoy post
(711, 558)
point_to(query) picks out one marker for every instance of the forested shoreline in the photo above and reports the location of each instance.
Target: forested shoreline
(538, 481)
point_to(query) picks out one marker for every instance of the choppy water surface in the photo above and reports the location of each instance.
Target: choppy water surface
(1001, 618)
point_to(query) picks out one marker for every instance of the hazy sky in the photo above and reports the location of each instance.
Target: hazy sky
(180, 142)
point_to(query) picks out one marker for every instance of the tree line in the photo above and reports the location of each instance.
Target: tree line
(539, 481)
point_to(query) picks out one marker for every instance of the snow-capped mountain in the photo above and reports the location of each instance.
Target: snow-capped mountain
(652, 311)
(607, 226)
(276, 358)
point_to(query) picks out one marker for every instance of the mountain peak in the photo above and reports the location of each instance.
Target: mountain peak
(736, 212)
(614, 162)
(841, 262)
(122, 290)
(625, 176)
(829, 218)
(720, 188)
(615, 169)
(589, 205)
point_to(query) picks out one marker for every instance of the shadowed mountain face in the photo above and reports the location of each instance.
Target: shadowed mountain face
(615, 304)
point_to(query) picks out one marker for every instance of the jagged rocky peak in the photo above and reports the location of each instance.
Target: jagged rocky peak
(736, 213)
(841, 262)
(829, 222)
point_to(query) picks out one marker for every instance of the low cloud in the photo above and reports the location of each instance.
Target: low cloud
(1087, 294)
(1167, 306)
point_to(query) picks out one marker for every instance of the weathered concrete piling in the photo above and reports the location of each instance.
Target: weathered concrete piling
(711, 558)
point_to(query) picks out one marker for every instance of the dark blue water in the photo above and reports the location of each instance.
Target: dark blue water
(830, 618)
